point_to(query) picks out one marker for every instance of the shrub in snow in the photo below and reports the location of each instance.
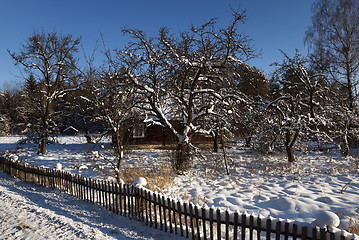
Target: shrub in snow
(326, 219)
(139, 181)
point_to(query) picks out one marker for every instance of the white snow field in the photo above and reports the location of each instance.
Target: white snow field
(317, 185)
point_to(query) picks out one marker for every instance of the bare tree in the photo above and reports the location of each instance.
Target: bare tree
(51, 58)
(297, 103)
(334, 35)
(113, 96)
(182, 79)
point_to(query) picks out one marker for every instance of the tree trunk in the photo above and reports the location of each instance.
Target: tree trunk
(224, 155)
(182, 157)
(43, 141)
(349, 77)
(290, 153)
(118, 149)
(248, 141)
(118, 175)
(289, 143)
(215, 141)
(346, 147)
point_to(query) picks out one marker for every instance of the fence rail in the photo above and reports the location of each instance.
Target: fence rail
(168, 214)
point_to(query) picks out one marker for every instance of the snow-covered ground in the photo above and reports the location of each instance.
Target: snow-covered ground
(32, 212)
(265, 185)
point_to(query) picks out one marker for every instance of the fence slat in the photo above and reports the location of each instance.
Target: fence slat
(235, 225)
(277, 230)
(129, 202)
(211, 223)
(304, 233)
(169, 205)
(164, 212)
(243, 225)
(286, 230)
(87, 183)
(159, 211)
(155, 208)
(314, 234)
(251, 227)
(197, 221)
(218, 219)
(110, 197)
(143, 203)
(174, 215)
(150, 208)
(123, 198)
(295, 231)
(106, 190)
(227, 224)
(259, 227)
(323, 234)
(204, 223)
(146, 202)
(185, 218)
(268, 228)
(136, 203)
(180, 216)
(92, 195)
(190, 205)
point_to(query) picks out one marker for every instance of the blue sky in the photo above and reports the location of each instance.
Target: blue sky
(272, 24)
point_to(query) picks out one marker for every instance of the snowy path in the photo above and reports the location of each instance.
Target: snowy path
(31, 212)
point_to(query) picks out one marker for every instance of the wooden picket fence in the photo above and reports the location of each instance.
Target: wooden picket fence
(168, 214)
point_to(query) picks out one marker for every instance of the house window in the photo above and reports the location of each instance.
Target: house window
(138, 131)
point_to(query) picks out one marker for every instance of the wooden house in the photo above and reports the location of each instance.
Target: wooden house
(159, 135)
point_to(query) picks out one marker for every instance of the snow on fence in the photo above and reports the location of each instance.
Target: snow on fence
(168, 214)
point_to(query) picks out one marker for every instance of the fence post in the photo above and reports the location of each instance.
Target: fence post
(174, 215)
(235, 225)
(191, 219)
(149, 197)
(295, 231)
(251, 226)
(243, 224)
(259, 227)
(197, 223)
(120, 197)
(227, 224)
(323, 234)
(164, 213)
(268, 228)
(155, 208)
(185, 217)
(304, 233)
(218, 219)
(169, 205)
(277, 230)
(211, 223)
(204, 223)
(131, 202)
(159, 211)
(146, 201)
(114, 199)
(179, 209)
